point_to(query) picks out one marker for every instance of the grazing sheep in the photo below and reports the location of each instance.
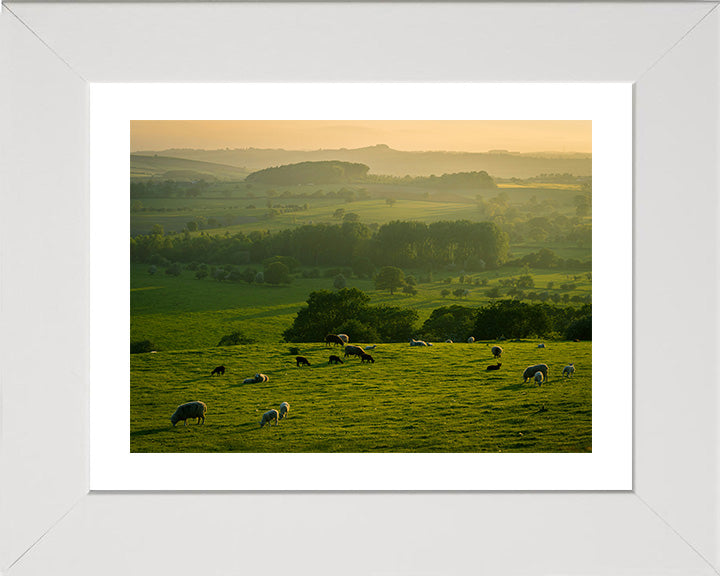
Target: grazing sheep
(220, 370)
(569, 370)
(354, 351)
(195, 409)
(301, 361)
(541, 345)
(371, 347)
(496, 367)
(255, 379)
(366, 358)
(496, 351)
(471, 339)
(539, 377)
(335, 360)
(530, 371)
(268, 417)
(333, 339)
(414, 342)
(344, 338)
(284, 409)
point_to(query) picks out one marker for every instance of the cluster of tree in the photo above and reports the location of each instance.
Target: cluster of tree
(509, 319)
(323, 172)
(472, 245)
(547, 259)
(348, 311)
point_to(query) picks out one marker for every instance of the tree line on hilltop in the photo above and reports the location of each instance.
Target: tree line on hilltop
(349, 311)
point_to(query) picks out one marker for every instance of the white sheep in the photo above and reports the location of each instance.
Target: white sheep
(414, 342)
(448, 341)
(530, 371)
(257, 378)
(344, 338)
(569, 370)
(268, 417)
(371, 347)
(195, 409)
(539, 377)
(541, 345)
(471, 339)
(284, 409)
(496, 351)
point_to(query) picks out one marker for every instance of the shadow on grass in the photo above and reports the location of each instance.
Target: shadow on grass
(151, 431)
(515, 387)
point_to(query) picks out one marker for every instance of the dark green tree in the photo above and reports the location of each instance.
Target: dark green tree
(390, 278)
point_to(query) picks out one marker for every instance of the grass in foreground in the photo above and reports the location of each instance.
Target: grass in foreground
(412, 399)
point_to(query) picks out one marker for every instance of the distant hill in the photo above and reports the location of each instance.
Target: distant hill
(182, 169)
(384, 160)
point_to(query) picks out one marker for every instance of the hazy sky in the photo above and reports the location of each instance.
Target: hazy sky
(460, 135)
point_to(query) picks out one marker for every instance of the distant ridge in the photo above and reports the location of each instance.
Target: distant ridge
(154, 165)
(384, 160)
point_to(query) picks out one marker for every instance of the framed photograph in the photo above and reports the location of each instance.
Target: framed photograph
(91, 433)
(269, 341)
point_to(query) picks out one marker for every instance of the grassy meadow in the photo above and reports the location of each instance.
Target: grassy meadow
(439, 398)
(412, 399)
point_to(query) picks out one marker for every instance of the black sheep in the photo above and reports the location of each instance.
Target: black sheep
(364, 357)
(335, 360)
(497, 367)
(220, 370)
(301, 360)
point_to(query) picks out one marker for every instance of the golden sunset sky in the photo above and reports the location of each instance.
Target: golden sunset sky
(451, 135)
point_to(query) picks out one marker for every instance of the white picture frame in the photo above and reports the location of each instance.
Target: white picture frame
(49, 523)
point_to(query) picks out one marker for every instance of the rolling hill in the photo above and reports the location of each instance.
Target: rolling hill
(182, 169)
(384, 160)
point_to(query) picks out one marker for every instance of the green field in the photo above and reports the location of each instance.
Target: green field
(412, 399)
(238, 209)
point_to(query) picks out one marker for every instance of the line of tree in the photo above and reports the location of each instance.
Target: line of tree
(323, 172)
(473, 246)
(509, 319)
(349, 311)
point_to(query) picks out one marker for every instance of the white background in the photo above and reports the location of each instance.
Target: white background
(608, 467)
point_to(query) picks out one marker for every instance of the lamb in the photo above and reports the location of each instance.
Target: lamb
(268, 417)
(496, 367)
(366, 358)
(414, 342)
(301, 361)
(335, 360)
(220, 370)
(354, 351)
(195, 409)
(569, 370)
(471, 339)
(344, 338)
(255, 379)
(530, 371)
(539, 377)
(284, 409)
(496, 351)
